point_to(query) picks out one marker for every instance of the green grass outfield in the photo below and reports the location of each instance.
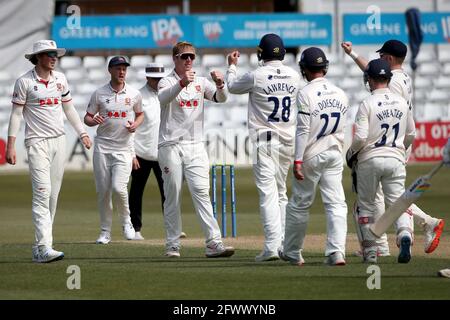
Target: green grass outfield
(138, 270)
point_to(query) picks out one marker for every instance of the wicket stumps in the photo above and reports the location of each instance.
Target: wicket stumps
(224, 197)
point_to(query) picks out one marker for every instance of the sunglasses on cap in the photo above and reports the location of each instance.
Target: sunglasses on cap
(186, 55)
(51, 54)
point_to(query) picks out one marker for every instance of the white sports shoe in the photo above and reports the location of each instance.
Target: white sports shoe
(103, 238)
(183, 235)
(284, 257)
(173, 252)
(335, 259)
(218, 250)
(433, 232)
(46, 255)
(128, 231)
(266, 256)
(138, 236)
(382, 252)
(444, 273)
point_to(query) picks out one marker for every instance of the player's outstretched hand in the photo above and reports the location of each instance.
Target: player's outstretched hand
(347, 46)
(11, 155)
(188, 77)
(217, 77)
(86, 141)
(136, 164)
(298, 174)
(233, 58)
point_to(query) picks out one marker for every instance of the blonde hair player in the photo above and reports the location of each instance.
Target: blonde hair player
(42, 95)
(181, 149)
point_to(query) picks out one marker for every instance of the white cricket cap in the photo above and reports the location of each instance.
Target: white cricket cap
(45, 46)
(155, 70)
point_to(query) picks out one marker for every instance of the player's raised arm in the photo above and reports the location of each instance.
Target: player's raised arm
(238, 85)
(359, 60)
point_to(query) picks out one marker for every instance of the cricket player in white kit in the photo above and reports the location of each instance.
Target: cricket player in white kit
(182, 151)
(318, 161)
(384, 130)
(42, 95)
(272, 112)
(117, 110)
(446, 158)
(394, 52)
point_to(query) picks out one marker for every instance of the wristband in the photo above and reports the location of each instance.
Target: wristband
(84, 134)
(298, 162)
(353, 55)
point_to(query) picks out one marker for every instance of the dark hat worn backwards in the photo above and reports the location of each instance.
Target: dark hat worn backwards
(118, 60)
(394, 48)
(379, 69)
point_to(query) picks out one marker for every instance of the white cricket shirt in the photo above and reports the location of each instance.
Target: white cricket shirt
(382, 122)
(116, 108)
(401, 84)
(322, 118)
(42, 104)
(146, 135)
(182, 115)
(272, 103)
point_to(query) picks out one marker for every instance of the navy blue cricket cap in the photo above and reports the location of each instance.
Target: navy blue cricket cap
(379, 68)
(394, 48)
(118, 60)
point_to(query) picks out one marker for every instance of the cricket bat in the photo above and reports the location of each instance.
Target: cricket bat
(411, 194)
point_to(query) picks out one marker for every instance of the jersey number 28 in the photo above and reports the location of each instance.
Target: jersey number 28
(285, 111)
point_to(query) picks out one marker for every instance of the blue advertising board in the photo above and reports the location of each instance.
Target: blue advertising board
(160, 31)
(239, 30)
(361, 29)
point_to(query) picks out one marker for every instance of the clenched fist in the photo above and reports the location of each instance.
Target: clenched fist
(188, 77)
(233, 58)
(217, 77)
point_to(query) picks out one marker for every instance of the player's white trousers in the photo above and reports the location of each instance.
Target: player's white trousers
(189, 161)
(112, 172)
(323, 170)
(273, 160)
(391, 173)
(46, 160)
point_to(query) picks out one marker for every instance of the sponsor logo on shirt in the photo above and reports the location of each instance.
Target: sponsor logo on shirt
(198, 88)
(35, 88)
(117, 114)
(127, 101)
(189, 103)
(48, 101)
(59, 87)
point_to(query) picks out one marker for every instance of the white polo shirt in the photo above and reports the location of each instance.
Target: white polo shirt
(182, 115)
(146, 135)
(116, 108)
(42, 104)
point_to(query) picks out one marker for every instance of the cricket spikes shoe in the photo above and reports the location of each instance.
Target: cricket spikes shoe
(444, 273)
(47, 254)
(266, 256)
(128, 231)
(138, 236)
(433, 232)
(183, 235)
(218, 250)
(292, 261)
(173, 252)
(370, 255)
(104, 238)
(335, 259)
(405, 249)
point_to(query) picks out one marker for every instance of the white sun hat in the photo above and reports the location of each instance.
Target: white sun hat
(155, 70)
(45, 46)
